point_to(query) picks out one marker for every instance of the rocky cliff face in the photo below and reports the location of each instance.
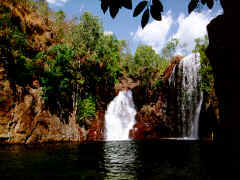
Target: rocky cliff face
(156, 119)
(223, 55)
(24, 118)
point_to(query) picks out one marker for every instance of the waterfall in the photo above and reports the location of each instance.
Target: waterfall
(185, 80)
(120, 117)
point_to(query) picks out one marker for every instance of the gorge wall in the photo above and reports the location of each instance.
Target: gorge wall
(223, 32)
(223, 55)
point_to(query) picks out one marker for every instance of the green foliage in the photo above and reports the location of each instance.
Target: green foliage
(58, 71)
(147, 66)
(86, 108)
(145, 56)
(162, 65)
(158, 84)
(109, 54)
(146, 63)
(206, 71)
(143, 62)
(58, 77)
(86, 34)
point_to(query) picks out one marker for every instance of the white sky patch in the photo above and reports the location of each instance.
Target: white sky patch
(106, 33)
(192, 27)
(155, 33)
(189, 27)
(57, 2)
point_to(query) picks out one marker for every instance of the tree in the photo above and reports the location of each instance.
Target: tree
(109, 51)
(87, 33)
(146, 63)
(144, 58)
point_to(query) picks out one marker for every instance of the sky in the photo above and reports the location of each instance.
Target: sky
(176, 22)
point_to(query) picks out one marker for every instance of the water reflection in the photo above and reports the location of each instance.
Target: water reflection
(129, 160)
(168, 159)
(119, 160)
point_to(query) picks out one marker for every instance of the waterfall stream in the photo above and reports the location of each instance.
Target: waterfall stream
(185, 79)
(120, 117)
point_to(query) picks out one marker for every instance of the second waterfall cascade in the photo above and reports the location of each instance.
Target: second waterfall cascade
(185, 79)
(120, 117)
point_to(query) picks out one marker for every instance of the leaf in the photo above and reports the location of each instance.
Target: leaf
(139, 8)
(113, 11)
(210, 3)
(104, 5)
(158, 4)
(145, 18)
(192, 5)
(156, 13)
(127, 4)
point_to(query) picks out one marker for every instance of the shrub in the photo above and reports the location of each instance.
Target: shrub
(86, 108)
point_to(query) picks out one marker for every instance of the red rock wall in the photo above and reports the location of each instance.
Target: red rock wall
(156, 119)
(24, 119)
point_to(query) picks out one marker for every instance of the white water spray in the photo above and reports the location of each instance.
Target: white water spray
(185, 78)
(120, 117)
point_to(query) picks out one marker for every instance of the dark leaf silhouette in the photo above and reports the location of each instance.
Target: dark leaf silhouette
(158, 4)
(127, 4)
(192, 5)
(145, 18)
(210, 3)
(104, 5)
(156, 13)
(139, 8)
(113, 11)
(203, 1)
